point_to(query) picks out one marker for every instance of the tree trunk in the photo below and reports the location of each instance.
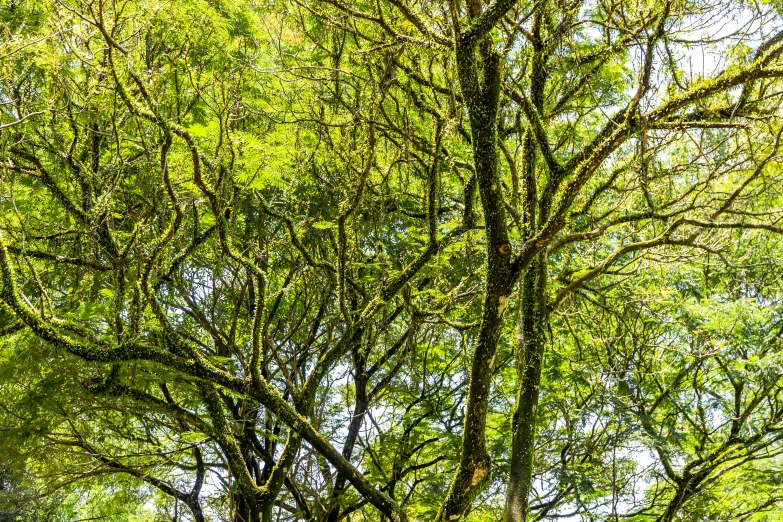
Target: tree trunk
(531, 343)
(360, 408)
(482, 96)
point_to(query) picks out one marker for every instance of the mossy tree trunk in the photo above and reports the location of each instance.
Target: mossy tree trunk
(480, 75)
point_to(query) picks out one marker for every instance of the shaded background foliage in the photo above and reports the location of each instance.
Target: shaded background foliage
(377, 260)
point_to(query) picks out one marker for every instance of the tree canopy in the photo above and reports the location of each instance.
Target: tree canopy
(332, 260)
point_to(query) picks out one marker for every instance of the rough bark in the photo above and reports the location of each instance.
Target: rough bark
(531, 339)
(482, 96)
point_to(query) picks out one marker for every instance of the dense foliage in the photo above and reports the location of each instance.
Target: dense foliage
(391, 260)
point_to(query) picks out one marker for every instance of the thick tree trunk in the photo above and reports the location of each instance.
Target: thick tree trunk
(531, 340)
(533, 312)
(482, 96)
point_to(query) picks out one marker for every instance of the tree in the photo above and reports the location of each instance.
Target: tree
(242, 248)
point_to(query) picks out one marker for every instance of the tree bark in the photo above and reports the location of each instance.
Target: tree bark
(359, 410)
(482, 97)
(531, 343)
